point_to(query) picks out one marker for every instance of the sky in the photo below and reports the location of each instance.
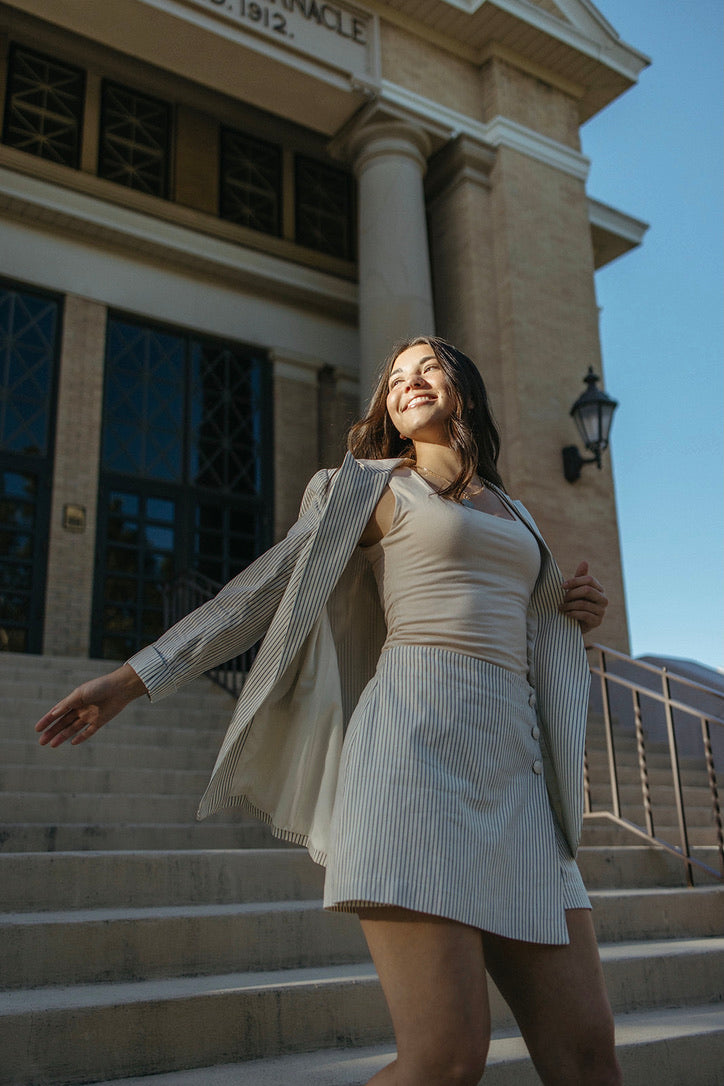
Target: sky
(656, 153)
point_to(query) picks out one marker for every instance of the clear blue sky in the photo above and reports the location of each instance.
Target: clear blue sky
(657, 154)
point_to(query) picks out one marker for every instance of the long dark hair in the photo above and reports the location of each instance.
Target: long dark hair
(472, 431)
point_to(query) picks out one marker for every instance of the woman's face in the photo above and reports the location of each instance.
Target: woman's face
(419, 401)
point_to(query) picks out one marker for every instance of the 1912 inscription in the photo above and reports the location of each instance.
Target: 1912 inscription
(273, 15)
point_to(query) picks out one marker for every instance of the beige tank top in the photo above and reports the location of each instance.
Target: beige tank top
(455, 578)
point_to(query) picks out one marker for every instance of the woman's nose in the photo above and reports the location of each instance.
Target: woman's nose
(414, 380)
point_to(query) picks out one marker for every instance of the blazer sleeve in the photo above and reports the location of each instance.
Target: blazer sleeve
(237, 617)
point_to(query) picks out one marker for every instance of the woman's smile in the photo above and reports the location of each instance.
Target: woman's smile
(420, 400)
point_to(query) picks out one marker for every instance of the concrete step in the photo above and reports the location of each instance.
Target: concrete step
(657, 774)
(699, 811)
(121, 944)
(98, 880)
(105, 753)
(53, 881)
(636, 866)
(103, 945)
(49, 776)
(19, 742)
(669, 1047)
(626, 747)
(140, 806)
(137, 724)
(662, 795)
(59, 807)
(191, 706)
(47, 689)
(71, 1035)
(604, 832)
(74, 1034)
(117, 780)
(625, 915)
(84, 837)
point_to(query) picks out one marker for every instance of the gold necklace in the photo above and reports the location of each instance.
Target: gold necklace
(468, 494)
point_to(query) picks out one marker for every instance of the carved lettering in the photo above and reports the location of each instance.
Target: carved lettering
(267, 14)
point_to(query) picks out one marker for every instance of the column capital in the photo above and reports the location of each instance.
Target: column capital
(379, 130)
(383, 138)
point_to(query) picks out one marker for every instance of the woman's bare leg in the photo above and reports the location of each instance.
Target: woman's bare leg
(558, 997)
(432, 973)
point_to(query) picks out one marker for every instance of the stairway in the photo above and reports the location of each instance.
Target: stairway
(140, 947)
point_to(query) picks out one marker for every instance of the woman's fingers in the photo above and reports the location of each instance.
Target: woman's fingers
(84, 711)
(66, 719)
(584, 599)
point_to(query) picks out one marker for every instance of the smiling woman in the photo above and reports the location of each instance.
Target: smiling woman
(429, 752)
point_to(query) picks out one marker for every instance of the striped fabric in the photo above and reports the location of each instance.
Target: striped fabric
(442, 805)
(315, 597)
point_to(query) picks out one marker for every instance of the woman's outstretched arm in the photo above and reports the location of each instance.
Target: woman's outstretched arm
(87, 708)
(218, 630)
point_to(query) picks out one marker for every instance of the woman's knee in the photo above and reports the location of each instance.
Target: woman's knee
(462, 1067)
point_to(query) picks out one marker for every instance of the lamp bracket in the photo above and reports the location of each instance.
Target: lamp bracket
(573, 462)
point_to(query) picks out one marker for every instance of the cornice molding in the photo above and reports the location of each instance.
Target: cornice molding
(613, 232)
(500, 132)
(616, 222)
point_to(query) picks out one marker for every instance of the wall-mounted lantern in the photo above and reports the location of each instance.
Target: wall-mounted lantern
(593, 413)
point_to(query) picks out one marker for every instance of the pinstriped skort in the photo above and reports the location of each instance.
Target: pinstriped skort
(442, 805)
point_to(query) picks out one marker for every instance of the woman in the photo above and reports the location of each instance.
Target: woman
(440, 778)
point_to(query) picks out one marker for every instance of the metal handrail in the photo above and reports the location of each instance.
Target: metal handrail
(644, 665)
(670, 705)
(184, 593)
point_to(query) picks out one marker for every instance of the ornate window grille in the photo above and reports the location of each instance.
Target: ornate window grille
(185, 483)
(324, 208)
(29, 327)
(44, 106)
(250, 182)
(135, 140)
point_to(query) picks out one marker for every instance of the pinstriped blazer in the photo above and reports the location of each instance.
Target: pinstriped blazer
(313, 599)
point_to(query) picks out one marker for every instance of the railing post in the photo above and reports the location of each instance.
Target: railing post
(610, 747)
(676, 772)
(643, 768)
(711, 774)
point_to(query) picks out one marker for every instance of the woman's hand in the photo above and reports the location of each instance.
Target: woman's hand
(89, 707)
(584, 599)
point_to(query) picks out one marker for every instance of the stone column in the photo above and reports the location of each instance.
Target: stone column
(395, 288)
(458, 186)
(296, 427)
(71, 547)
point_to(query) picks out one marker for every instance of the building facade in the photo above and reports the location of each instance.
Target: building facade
(216, 216)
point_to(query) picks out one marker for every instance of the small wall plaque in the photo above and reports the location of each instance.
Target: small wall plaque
(74, 518)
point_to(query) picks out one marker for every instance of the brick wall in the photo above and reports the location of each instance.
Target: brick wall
(71, 555)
